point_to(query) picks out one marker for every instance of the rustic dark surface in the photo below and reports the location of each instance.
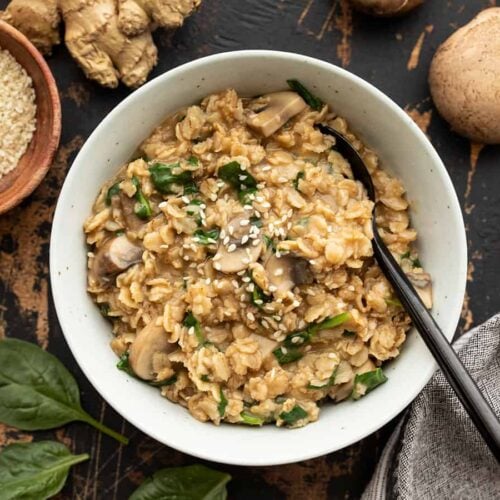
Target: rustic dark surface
(394, 55)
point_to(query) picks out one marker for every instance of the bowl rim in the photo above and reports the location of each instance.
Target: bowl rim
(461, 257)
(34, 180)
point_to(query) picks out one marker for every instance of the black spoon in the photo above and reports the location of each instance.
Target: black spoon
(458, 377)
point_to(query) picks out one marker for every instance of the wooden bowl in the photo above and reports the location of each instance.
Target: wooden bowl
(31, 169)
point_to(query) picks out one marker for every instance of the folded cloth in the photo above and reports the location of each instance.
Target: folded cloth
(435, 451)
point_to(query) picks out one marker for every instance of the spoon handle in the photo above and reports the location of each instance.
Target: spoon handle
(458, 377)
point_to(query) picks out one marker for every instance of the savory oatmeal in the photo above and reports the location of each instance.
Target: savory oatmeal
(234, 260)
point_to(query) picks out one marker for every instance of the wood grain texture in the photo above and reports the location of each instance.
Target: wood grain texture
(394, 55)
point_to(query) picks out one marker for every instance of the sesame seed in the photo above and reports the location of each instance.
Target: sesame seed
(255, 242)
(266, 204)
(312, 262)
(245, 279)
(231, 247)
(162, 204)
(295, 303)
(247, 207)
(260, 199)
(332, 355)
(222, 234)
(225, 241)
(277, 317)
(282, 327)
(296, 340)
(244, 239)
(250, 316)
(186, 257)
(272, 288)
(241, 273)
(244, 222)
(307, 348)
(266, 168)
(283, 349)
(217, 256)
(290, 213)
(265, 324)
(230, 230)
(243, 298)
(235, 284)
(217, 266)
(282, 179)
(242, 177)
(278, 254)
(208, 281)
(257, 213)
(203, 206)
(185, 199)
(251, 287)
(245, 260)
(213, 197)
(259, 302)
(278, 272)
(191, 330)
(279, 300)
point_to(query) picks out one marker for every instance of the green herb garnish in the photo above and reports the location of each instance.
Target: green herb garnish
(315, 102)
(294, 415)
(241, 180)
(393, 302)
(205, 378)
(164, 179)
(269, 243)
(35, 470)
(300, 175)
(256, 221)
(251, 419)
(366, 382)
(414, 262)
(114, 190)
(142, 207)
(208, 237)
(194, 482)
(286, 355)
(37, 392)
(221, 407)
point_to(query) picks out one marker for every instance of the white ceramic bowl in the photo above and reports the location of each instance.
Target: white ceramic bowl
(404, 150)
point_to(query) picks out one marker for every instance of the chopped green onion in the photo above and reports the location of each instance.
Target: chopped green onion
(315, 102)
(142, 207)
(164, 179)
(114, 190)
(206, 237)
(330, 322)
(241, 180)
(251, 419)
(269, 243)
(300, 175)
(221, 407)
(294, 415)
(366, 382)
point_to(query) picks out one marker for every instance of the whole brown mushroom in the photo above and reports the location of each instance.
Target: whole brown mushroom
(386, 8)
(464, 78)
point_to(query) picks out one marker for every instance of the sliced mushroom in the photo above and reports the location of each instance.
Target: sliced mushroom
(423, 285)
(266, 346)
(241, 250)
(150, 341)
(116, 255)
(127, 206)
(281, 106)
(287, 271)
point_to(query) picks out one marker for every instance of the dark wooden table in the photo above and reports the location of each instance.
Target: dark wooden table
(394, 55)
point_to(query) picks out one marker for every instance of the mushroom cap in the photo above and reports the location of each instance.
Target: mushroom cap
(423, 286)
(464, 78)
(281, 106)
(150, 340)
(245, 254)
(116, 255)
(287, 271)
(386, 8)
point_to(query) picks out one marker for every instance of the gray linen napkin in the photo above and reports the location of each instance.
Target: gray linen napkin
(436, 452)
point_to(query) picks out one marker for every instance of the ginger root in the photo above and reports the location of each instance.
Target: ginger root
(110, 39)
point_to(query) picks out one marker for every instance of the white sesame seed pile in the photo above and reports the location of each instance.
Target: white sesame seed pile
(17, 112)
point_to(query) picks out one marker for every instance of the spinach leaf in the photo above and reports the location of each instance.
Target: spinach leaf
(35, 470)
(315, 102)
(192, 160)
(414, 262)
(256, 221)
(295, 414)
(258, 297)
(164, 179)
(114, 190)
(191, 321)
(194, 482)
(206, 237)
(241, 180)
(37, 392)
(142, 207)
(286, 355)
(251, 419)
(300, 175)
(290, 352)
(221, 407)
(366, 382)
(269, 243)
(329, 383)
